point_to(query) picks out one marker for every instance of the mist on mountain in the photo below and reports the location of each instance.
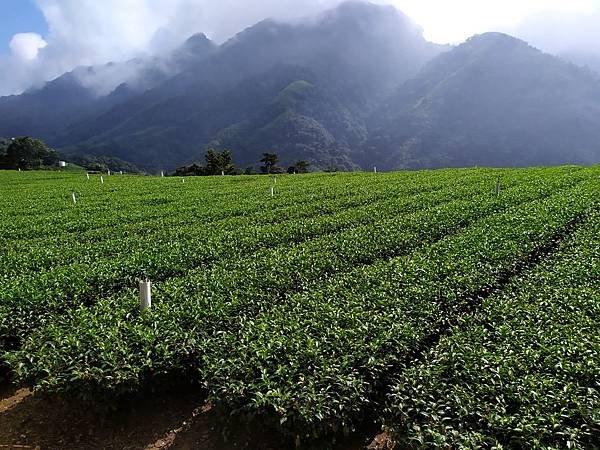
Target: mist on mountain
(351, 87)
(573, 36)
(494, 100)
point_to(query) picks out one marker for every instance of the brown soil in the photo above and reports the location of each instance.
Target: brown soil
(180, 420)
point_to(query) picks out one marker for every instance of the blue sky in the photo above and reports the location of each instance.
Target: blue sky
(19, 16)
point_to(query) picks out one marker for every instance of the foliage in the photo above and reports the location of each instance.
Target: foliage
(102, 163)
(27, 153)
(4, 143)
(301, 166)
(492, 101)
(522, 370)
(356, 102)
(418, 297)
(270, 161)
(193, 170)
(217, 163)
(292, 94)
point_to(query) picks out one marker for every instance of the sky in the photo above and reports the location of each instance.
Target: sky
(453, 21)
(41, 39)
(18, 16)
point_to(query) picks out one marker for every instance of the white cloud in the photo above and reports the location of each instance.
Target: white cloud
(570, 31)
(454, 21)
(26, 46)
(92, 32)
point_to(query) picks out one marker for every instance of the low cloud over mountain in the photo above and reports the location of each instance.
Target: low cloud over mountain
(355, 86)
(89, 32)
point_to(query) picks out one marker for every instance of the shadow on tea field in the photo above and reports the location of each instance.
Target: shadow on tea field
(174, 420)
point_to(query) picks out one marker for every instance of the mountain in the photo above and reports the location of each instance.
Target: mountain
(589, 60)
(494, 100)
(302, 121)
(303, 90)
(41, 112)
(356, 86)
(86, 92)
(241, 97)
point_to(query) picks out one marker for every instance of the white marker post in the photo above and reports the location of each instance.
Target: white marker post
(272, 191)
(120, 172)
(222, 173)
(109, 172)
(375, 169)
(74, 198)
(87, 175)
(162, 174)
(183, 180)
(145, 295)
(101, 179)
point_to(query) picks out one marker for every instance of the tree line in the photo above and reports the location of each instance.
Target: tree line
(221, 163)
(26, 153)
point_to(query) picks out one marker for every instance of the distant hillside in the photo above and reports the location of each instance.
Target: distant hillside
(301, 90)
(87, 92)
(241, 97)
(355, 87)
(491, 101)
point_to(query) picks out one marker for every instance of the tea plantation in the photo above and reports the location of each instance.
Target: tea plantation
(455, 315)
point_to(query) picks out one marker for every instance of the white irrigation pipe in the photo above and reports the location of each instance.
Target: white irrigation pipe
(145, 295)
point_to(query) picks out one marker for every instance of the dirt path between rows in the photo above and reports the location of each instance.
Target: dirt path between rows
(180, 420)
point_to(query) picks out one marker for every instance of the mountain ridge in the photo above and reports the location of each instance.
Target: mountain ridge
(493, 100)
(178, 111)
(356, 86)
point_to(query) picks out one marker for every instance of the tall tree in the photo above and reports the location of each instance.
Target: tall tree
(269, 161)
(28, 153)
(219, 162)
(301, 166)
(4, 143)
